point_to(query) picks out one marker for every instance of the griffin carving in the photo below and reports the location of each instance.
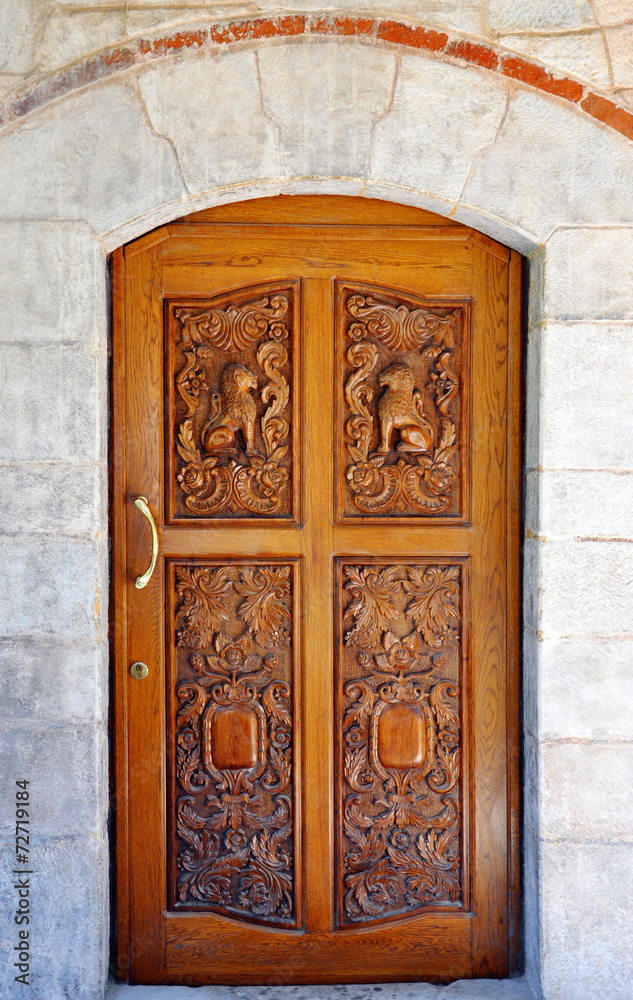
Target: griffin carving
(235, 411)
(400, 408)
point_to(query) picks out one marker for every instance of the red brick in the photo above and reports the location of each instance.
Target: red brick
(343, 26)
(609, 113)
(264, 27)
(414, 38)
(536, 76)
(480, 55)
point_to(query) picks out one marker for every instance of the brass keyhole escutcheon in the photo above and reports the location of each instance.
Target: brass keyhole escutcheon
(139, 670)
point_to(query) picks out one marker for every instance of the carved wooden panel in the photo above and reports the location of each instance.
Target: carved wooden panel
(231, 378)
(401, 405)
(400, 782)
(233, 839)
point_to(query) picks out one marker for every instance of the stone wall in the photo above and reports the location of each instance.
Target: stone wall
(253, 108)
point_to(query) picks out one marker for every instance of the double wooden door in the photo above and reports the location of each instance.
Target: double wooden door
(318, 400)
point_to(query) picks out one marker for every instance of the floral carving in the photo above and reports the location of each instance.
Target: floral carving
(401, 828)
(434, 592)
(411, 425)
(265, 609)
(203, 593)
(234, 807)
(233, 435)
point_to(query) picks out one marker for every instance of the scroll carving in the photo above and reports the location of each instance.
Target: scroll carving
(234, 408)
(234, 838)
(401, 769)
(402, 406)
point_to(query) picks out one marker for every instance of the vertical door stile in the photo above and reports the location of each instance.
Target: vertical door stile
(317, 611)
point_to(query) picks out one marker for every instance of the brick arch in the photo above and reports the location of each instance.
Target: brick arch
(452, 48)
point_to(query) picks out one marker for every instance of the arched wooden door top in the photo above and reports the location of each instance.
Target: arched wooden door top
(320, 400)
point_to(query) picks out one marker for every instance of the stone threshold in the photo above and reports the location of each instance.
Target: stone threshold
(464, 989)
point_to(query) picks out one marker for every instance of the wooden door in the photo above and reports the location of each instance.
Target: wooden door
(316, 781)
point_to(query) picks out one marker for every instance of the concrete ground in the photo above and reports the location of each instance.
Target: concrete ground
(482, 989)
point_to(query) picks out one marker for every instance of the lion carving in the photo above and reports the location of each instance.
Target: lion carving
(399, 409)
(235, 410)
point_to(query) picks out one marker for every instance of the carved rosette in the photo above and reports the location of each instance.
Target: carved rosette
(234, 786)
(400, 425)
(232, 437)
(400, 837)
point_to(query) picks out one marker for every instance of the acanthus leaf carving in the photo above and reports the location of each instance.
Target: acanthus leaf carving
(400, 328)
(233, 743)
(372, 606)
(401, 745)
(203, 594)
(433, 608)
(265, 593)
(236, 328)
(414, 468)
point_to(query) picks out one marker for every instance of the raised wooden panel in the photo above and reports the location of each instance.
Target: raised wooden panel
(402, 404)
(232, 404)
(232, 807)
(401, 835)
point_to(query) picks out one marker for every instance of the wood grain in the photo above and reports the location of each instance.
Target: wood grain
(437, 928)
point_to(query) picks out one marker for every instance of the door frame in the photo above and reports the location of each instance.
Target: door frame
(323, 209)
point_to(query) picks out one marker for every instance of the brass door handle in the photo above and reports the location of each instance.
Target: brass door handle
(142, 581)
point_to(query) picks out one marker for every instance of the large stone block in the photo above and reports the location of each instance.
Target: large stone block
(586, 791)
(531, 681)
(611, 12)
(51, 496)
(586, 917)
(68, 36)
(52, 282)
(583, 56)
(52, 680)
(531, 582)
(589, 273)
(165, 17)
(66, 767)
(458, 15)
(48, 404)
(568, 503)
(50, 587)
(583, 424)
(69, 920)
(620, 42)
(586, 690)
(440, 116)
(550, 166)
(325, 97)
(19, 22)
(91, 157)
(517, 15)
(586, 589)
(218, 142)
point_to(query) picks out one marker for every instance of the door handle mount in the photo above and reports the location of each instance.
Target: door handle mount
(143, 580)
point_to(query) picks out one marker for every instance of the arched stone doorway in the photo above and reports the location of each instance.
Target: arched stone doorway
(113, 160)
